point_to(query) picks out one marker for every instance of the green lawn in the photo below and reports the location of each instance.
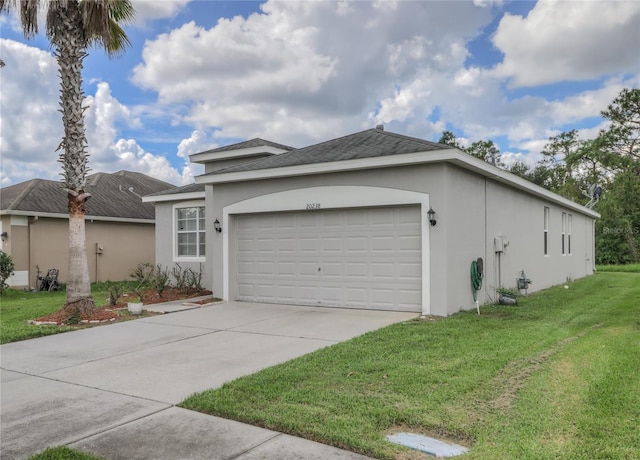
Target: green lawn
(63, 453)
(554, 378)
(629, 268)
(17, 307)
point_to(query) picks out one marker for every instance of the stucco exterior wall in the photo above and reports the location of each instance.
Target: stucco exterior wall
(44, 242)
(16, 246)
(478, 209)
(165, 239)
(470, 210)
(425, 179)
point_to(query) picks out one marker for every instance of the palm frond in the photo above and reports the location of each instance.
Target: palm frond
(102, 19)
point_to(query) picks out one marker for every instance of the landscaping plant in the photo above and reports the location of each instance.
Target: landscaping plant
(6, 270)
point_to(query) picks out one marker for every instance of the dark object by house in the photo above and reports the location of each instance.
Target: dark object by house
(49, 282)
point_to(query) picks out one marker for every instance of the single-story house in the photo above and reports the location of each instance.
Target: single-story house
(120, 228)
(375, 220)
(181, 235)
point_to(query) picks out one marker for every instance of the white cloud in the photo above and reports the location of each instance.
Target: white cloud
(569, 41)
(197, 142)
(130, 156)
(149, 10)
(305, 71)
(104, 111)
(31, 125)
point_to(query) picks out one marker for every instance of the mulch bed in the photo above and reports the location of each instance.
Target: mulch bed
(118, 312)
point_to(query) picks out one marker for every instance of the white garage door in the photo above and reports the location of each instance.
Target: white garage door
(363, 258)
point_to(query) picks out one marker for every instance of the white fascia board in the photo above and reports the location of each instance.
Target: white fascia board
(174, 197)
(327, 167)
(499, 175)
(207, 157)
(53, 215)
(453, 156)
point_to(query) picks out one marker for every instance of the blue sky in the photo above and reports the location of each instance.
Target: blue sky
(205, 74)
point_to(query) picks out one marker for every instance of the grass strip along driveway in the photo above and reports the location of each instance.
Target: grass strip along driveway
(556, 377)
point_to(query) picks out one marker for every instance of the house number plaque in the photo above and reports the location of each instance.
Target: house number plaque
(313, 206)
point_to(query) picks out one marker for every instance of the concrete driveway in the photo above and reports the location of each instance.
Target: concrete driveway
(112, 390)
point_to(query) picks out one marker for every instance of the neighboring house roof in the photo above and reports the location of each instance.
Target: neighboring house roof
(116, 196)
(365, 144)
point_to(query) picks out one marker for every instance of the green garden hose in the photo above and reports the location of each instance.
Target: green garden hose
(476, 279)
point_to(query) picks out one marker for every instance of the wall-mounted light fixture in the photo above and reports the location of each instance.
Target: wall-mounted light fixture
(431, 215)
(217, 226)
(4, 236)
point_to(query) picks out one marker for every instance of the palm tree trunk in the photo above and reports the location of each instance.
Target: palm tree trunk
(70, 45)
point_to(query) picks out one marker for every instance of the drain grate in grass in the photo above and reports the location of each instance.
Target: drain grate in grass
(427, 445)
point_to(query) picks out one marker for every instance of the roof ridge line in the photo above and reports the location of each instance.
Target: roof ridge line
(404, 136)
(335, 139)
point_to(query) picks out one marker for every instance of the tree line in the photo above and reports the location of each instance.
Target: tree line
(579, 168)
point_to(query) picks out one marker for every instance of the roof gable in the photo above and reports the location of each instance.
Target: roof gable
(252, 148)
(251, 143)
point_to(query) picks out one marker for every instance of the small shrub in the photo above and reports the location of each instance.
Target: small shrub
(143, 274)
(179, 276)
(187, 279)
(6, 270)
(194, 280)
(160, 279)
(115, 291)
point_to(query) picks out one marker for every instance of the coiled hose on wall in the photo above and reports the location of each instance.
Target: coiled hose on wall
(476, 279)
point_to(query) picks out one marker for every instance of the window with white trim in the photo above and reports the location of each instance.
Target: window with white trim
(569, 234)
(564, 233)
(190, 232)
(546, 231)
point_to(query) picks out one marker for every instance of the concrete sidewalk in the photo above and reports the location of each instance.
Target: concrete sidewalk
(112, 390)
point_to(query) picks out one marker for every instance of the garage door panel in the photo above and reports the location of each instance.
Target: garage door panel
(284, 245)
(355, 244)
(410, 271)
(412, 243)
(409, 296)
(383, 271)
(362, 258)
(383, 243)
(332, 244)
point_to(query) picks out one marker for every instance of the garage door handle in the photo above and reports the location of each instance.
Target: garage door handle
(319, 268)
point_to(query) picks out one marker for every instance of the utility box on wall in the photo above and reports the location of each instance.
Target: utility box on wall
(500, 244)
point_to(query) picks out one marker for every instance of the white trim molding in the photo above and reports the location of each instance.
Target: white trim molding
(174, 230)
(173, 197)
(453, 156)
(332, 197)
(205, 157)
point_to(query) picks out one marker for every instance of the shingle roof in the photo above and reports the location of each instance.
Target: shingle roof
(256, 142)
(116, 195)
(365, 144)
(191, 188)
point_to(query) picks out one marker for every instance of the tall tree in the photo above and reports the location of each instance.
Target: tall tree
(449, 138)
(618, 231)
(622, 138)
(487, 151)
(72, 27)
